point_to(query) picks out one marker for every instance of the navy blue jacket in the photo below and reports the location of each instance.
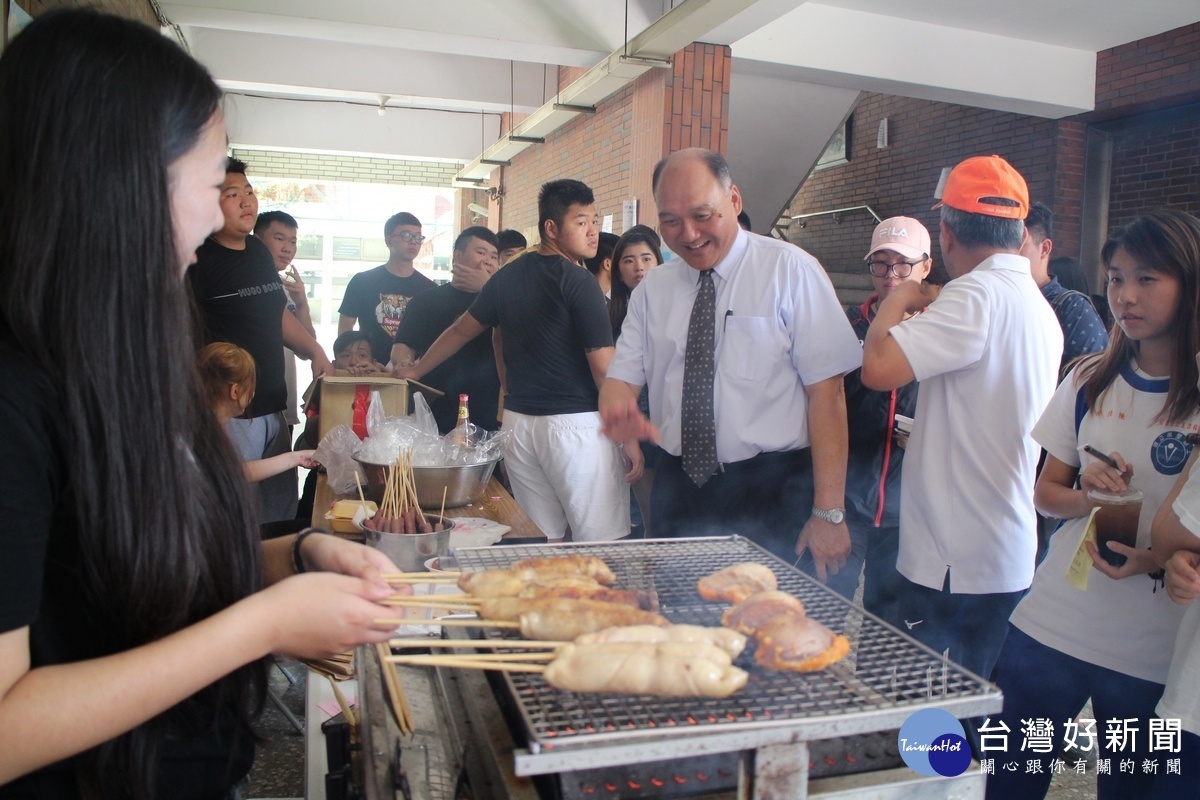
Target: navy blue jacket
(873, 467)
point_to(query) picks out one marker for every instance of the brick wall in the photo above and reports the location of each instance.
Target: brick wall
(133, 9)
(361, 169)
(614, 150)
(698, 97)
(1158, 71)
(1155, 167)
(924, 137)
(1151, 166)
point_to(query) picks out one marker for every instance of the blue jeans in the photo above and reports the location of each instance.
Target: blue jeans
(1041, 682)
(1183, 786)
(970, 626)
(873, 553)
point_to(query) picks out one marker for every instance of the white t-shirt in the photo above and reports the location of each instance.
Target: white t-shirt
(1121, 625)
(1181, 700)
(986, 354)
(779, 327)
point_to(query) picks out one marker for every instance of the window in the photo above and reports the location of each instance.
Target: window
(838, 149)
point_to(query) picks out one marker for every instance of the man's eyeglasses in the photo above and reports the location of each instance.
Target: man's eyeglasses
(409, 238)
(901, 269)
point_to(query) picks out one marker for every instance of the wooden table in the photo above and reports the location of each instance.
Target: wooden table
(495, 504)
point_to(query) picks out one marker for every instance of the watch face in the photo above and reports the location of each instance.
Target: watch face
(833, 516)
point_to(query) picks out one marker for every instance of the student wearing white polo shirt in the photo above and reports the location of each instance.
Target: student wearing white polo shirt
(1135, 401)
(1176, 532)
(986, 353)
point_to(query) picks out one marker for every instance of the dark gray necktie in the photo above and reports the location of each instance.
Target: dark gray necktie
(699, 428)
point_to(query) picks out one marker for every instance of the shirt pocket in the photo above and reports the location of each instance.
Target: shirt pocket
(750, 348)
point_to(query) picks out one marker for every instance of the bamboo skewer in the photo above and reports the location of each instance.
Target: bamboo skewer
(482, 658)
(466, 601)
(361, 497)
(514, 644)
(449, 623)
(428, 577)
(427, 602)
(442, 513)
(461, 662)
(341, 701)
(395, 691)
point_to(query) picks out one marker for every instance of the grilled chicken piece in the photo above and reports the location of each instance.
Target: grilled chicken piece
(511, 582)
(734, 584)
(647, 601)
(750, 614)
(667, 669)
(583, 565)
(731, 642)
(557, 624)
(798, 643)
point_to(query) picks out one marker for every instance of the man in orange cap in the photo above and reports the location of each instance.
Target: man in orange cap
(986, 354)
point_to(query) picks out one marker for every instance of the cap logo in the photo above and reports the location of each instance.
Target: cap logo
(898, 233)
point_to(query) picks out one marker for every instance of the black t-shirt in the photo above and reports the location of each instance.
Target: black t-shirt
(242, 302)
(378, 299)
(551, 313)
(41, 588)
(472, 370)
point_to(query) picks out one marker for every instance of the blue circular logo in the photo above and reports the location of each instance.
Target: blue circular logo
(933, 742)
(1170, 452)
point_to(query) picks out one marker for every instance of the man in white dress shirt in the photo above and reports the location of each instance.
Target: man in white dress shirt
(776, 343)
(986, 353)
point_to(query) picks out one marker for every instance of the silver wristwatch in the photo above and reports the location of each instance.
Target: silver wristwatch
(834, 516)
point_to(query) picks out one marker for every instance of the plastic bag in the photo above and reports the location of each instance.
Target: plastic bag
(336, 454)
(416, 432)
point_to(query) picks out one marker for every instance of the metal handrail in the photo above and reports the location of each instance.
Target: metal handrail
(868, 209)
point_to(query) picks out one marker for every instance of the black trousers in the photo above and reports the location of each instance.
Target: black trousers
(767, 499)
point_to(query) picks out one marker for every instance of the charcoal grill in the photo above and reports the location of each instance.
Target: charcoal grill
(775, 734)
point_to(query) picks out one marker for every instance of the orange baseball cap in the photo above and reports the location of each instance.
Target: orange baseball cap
(986, 176)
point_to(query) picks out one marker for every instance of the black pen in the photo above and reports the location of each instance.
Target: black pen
(1087, 448)
(725, 324)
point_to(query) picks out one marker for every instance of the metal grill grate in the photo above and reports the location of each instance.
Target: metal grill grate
(885, 676)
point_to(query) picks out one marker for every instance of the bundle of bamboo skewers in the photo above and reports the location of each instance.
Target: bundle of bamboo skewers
(400, 512)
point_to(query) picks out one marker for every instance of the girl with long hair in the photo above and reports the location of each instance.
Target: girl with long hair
(1109, 639)
(133, 614)
(637, 252)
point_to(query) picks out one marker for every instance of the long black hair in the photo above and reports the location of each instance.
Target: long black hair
(93, 109)
(618, 304)
(1168, 241)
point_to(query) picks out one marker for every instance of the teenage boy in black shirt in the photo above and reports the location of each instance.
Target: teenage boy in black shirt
(472, 370)
(557, 343)
(377, 298)
(242, 301)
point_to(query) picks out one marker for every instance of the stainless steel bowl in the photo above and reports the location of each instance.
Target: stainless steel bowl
(410, 551)
(461, 484)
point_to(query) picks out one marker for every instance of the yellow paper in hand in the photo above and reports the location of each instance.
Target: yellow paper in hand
(1081, 563)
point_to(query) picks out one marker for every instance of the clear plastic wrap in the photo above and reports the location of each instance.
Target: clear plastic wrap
(418, 433)
(336, 454)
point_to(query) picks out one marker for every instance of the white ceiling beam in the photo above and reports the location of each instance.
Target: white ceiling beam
(569, 33)
(262, 63)
(864, 51)
(356, 130)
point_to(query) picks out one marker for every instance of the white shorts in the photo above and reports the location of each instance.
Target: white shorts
(564, 473)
